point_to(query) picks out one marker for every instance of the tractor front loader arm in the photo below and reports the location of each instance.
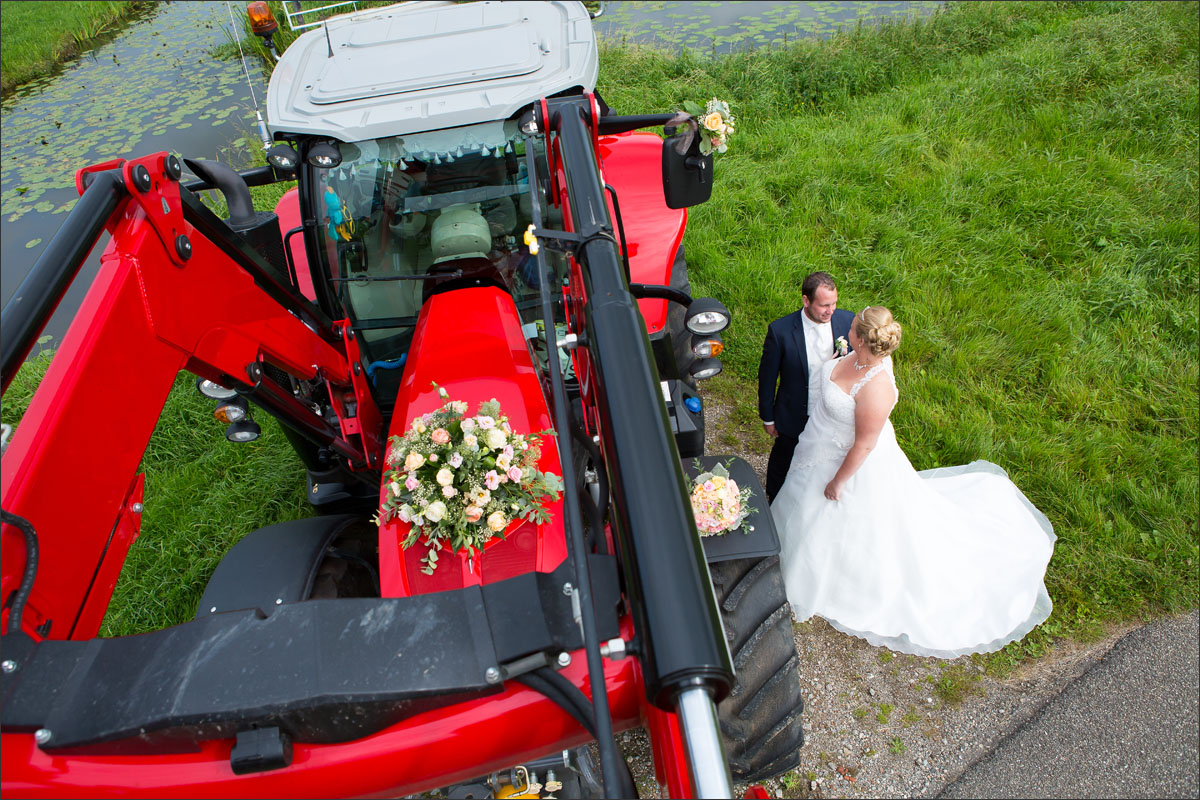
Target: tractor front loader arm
(177, 289)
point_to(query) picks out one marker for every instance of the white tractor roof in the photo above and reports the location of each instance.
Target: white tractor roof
(423, 66)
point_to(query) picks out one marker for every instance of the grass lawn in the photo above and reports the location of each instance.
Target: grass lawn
(1018, 182)
(38, 36)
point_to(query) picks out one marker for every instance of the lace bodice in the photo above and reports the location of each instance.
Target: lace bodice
(839, 405)
(830, 429)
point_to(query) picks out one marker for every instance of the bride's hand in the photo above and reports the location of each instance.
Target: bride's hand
(833, 491)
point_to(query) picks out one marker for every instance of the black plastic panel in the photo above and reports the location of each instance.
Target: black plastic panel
(320, 670)
(757, 537)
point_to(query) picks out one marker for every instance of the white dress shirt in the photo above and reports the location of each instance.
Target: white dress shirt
(818, 341)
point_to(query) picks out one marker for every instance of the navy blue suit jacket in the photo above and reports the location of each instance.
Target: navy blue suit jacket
(785, 360)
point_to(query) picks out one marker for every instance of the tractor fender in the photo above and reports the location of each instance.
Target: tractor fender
(288, 211)
(272, 565)
(757, 537)
(632, 164)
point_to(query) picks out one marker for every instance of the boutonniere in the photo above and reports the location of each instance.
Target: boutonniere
(841, 346)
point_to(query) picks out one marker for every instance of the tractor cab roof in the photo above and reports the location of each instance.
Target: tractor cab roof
(422, 66)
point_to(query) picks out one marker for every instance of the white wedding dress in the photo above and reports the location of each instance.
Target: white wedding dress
(936, 563)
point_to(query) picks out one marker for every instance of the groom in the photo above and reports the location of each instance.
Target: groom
(796, 347)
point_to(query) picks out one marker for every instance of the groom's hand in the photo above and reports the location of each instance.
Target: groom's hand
(769, 427)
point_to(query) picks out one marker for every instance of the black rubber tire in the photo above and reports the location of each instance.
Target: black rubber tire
(760, 720)
(350, 565)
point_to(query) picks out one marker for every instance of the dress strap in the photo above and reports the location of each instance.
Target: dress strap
(871, 373)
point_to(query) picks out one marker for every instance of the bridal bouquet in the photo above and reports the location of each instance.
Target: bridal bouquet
(715, 122)
(459, 480)
(718, 504)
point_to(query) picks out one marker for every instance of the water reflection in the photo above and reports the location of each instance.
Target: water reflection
(153, 87)
(721, 27)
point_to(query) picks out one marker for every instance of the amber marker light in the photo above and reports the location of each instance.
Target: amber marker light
(262, 21)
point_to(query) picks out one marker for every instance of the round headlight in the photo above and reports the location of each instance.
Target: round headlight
(245, 430)
(706, 315)
(214, 390)
(324, 155)
(705, 368)
(283, 156)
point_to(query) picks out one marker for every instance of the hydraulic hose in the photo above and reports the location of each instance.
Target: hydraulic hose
(561, 691)
(574, 523)
(17, 611)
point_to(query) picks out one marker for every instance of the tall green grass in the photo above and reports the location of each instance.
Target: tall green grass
(1016, 181)
(202, 495)
(38, 36)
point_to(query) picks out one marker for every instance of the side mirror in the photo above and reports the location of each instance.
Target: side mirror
(687, 178)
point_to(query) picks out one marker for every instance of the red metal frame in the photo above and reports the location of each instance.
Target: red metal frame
(84, 434)
(433, 749)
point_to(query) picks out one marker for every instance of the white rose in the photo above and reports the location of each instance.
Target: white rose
(445, 477)
(449, 491)
(496, 438)
(468, 425)
(435, 511)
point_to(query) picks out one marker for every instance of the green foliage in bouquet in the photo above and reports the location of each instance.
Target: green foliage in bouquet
(459, 480)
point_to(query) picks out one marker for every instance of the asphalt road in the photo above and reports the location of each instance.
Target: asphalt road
(1128, 727)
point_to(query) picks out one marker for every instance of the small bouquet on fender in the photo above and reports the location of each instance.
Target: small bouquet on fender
(718, 504)
(459, 480)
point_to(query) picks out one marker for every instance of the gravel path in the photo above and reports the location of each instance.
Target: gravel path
(883, 724)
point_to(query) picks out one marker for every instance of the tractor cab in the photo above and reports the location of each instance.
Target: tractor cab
(411, 165)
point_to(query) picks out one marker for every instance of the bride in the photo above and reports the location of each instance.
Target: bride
(935, 563)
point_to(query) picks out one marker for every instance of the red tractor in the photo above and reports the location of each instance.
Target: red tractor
(467, 213)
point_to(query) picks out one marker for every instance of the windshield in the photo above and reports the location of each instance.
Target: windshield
(404, 217)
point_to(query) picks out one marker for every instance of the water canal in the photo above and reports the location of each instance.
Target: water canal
(156, 86)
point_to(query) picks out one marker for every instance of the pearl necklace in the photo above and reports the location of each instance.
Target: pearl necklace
(858, 366)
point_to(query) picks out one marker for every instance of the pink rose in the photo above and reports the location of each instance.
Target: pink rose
(411, 483)
(708, 486)
(492, 479)
(474, 513)
(440, 436)
(514, 474)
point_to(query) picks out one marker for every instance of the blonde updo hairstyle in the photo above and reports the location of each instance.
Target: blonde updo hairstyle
(876, 327)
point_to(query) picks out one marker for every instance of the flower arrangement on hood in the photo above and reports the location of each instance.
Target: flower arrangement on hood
(718, 504)
(715, 123)
(459, 480)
